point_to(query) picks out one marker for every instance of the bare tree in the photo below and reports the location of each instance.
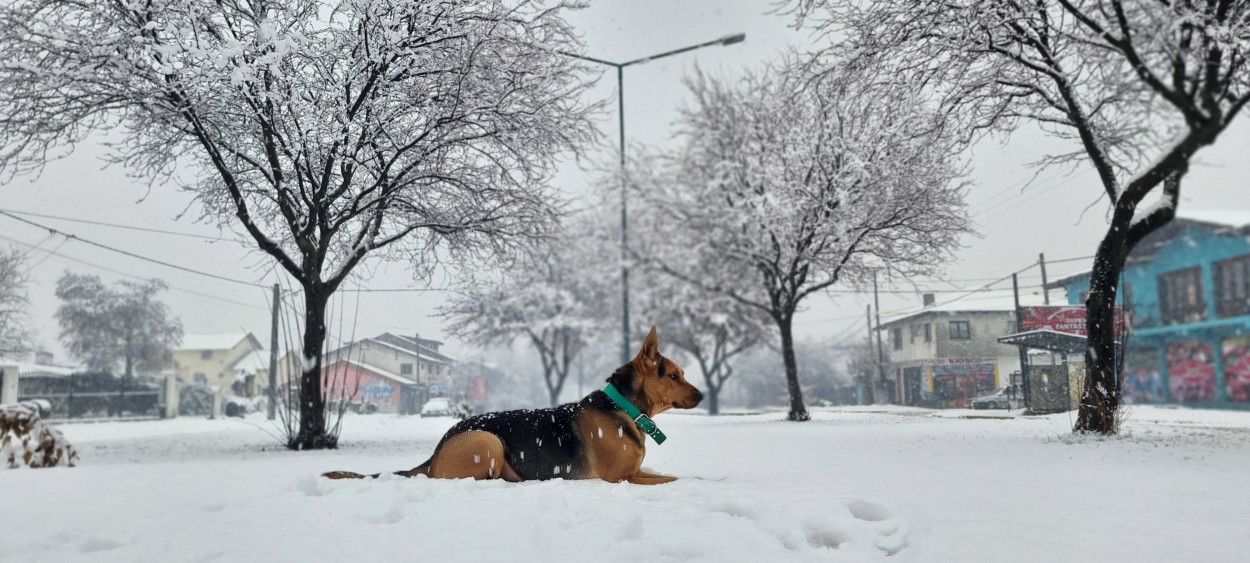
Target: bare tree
(710, 327)
(555, 299)
(328, 131)
(786, 184)
(124, 327)
(15, 337)
(1138, 87)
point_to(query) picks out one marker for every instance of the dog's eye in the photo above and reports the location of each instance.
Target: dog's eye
(673, 376)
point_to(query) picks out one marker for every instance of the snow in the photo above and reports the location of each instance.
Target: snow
(1234, 218)
(854, 484)
(253, 362)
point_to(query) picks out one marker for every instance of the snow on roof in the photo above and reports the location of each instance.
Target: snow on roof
(1235, 218)
(970, 304)
(32, 368)
(257, 360)
(1061, 282)
(375, 370)
(217, 341)
(423, 357)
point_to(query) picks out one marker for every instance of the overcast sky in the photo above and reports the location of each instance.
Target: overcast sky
(1050, 216)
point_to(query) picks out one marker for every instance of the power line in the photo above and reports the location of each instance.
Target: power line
(127, 253)
(117, 226)
(54, 253)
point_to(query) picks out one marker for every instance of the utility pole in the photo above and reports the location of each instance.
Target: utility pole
(620, 114)
(1024, 356)
(876, 303)
(1041, 261)
(868, 377)
(273, 354)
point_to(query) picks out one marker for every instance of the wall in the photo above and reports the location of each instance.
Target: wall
(340, 380)
(216, 367)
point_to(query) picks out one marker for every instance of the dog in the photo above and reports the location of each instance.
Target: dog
(595, 438)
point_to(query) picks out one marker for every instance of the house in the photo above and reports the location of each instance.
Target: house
(234, 362)
(1186, 288)
(414, 365)
(944, 354)
(345, 379)
(410, 357)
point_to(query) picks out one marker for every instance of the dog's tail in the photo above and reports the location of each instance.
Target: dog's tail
(423, 469)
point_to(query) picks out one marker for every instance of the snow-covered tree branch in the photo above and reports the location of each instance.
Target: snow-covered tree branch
(788, 183)
(328, 131)
(1139, 87)
(554, 300)
(15, 336)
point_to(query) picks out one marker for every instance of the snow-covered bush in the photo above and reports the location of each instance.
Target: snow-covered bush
(27, 440)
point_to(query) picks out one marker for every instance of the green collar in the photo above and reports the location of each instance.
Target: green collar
(643, 421)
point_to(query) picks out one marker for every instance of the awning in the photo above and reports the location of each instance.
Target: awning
(1046, 339)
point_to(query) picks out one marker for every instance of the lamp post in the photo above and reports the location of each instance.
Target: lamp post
(620, 98)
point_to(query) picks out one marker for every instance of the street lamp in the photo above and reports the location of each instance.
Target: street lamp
(620, 88)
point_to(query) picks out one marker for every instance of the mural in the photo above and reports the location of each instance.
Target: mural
(1237, 368)
(377, 390)
(1191, 373)
(1142, 381)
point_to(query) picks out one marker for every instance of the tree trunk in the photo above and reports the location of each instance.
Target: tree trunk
(1100, 396)
(713, 400)
(798, 412)
(313, 433)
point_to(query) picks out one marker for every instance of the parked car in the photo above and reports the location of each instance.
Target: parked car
(1008, 397)
(439, 406)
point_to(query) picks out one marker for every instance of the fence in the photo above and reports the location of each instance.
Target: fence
(86, 396)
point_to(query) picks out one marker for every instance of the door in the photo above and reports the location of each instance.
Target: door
(911, 386)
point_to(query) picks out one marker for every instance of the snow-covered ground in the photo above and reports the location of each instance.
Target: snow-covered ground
(858, 484)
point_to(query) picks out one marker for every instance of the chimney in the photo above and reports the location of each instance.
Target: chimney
(928, 299)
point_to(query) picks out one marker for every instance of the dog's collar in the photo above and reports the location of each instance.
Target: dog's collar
(643, 421)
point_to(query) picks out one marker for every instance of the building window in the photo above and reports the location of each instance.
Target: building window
(201, 379)
(915, 331)
(1232, 286)
(405, 369)
(206, 354)
(1180, 296)
(897, 337)
(960, 330)
(928, 332)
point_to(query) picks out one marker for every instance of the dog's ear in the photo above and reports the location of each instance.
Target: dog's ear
(650, 347)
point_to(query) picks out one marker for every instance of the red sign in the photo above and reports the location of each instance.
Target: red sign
(1062, 318)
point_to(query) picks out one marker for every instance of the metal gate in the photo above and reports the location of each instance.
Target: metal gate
(87, 396)
(1048, 389)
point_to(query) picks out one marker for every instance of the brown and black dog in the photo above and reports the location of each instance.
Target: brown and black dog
(590, 439)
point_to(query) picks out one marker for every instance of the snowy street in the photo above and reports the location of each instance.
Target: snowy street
(852, 485)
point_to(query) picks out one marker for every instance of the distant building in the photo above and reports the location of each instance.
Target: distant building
(235, 362)
(398, 371)
(1187, 289)
(943, 355)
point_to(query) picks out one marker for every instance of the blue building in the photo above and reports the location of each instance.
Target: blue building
(1187, 289)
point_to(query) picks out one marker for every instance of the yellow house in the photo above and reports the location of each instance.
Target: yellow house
(222, 360)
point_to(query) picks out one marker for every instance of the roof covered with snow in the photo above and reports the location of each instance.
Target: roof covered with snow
(32, 368)
(216, 341)
(252, 362)
(1232, 218)
(971, 304)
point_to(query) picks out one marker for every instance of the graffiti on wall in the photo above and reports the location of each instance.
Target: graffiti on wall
(1191, 373)
(1237, 368)
(1142, 381)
